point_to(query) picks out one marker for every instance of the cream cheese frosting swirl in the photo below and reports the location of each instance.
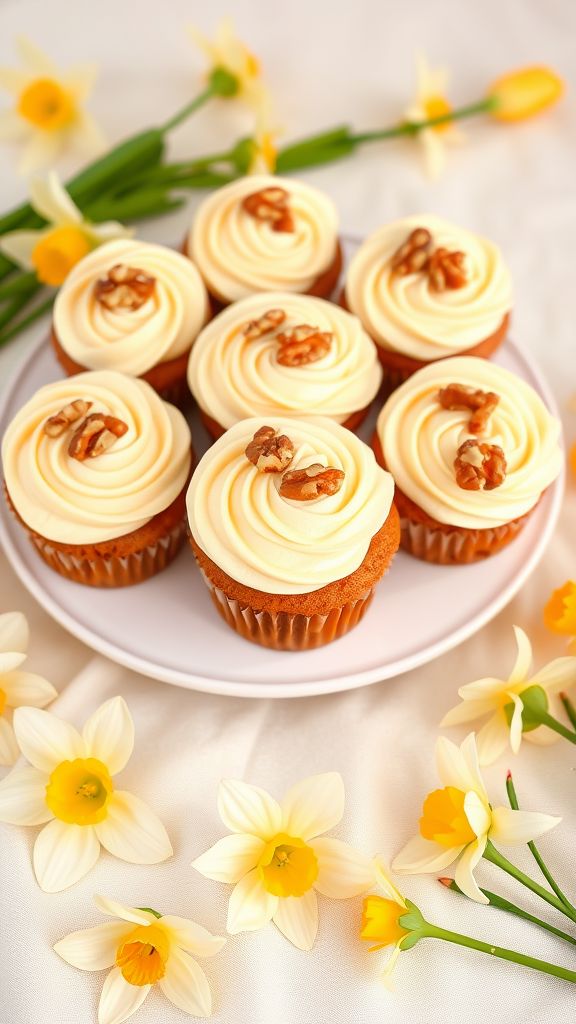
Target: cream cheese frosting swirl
(99, 498)
(233, 377)
(279, 545)
(403, 313)
(238, 255)
(420, 440)
(131, 341)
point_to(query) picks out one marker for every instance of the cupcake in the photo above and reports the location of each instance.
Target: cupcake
(425, 290)
(96, 469)
(283, 354)
(133, 307)
(471, 448)
(266, 234)
(292, 523)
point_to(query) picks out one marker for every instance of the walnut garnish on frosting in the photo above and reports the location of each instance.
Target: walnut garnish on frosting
(413, 254)
(124, 288)
(61, 421)
(268, 322)
(446, 269)
(95, 435)
(303, 344)
(269, 451)
(315, 481)
(480, 403)
(479, 466)
(270, 205)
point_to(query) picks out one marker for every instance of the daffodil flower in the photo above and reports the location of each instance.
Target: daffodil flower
(278, 859)
(381, 920)
(560, 612)
(508, 704)
(17, 687)
(143, 948)
(227, 53)
(524, 93)
(458, 821)
(48, 114)
(69, 784)
(264, 151)
(431, 102)
(52, 251)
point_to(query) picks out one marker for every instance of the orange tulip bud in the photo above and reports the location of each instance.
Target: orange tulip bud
(524, 93)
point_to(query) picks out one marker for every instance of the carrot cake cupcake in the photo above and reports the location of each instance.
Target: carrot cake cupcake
(424, 290)
(134, 307)
(283, 354)
(472, 448)
(96, 468)
(264, 233)
(292, 523)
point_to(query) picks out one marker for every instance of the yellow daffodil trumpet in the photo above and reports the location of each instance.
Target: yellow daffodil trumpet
(524, 93)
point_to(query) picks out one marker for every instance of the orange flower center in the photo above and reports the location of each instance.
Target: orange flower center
(57, 252)
(78, 791)
(444, 819)
(46, 104)
(560, 612)
(288, 867)
(142, 955)
(380, 921)
(437, 106)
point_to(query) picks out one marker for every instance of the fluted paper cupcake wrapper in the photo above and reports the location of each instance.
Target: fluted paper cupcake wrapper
(457, 547)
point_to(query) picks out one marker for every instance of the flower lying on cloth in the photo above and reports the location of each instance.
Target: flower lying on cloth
(524, 93)
(48, 115)
(277, 857)
(53, 250)
(227, 54)
(431, 102)
(17, 688)
(512, 703)
(143, 948)
(458, 821)
(381, 921)
(69, 785)
(560, 612)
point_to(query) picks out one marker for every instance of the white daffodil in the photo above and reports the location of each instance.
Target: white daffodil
(68, 784)
(264, 150)
(143, 948)
(430, 102)
(17, 688)
(228, 52)
(380, 923)
(48, 115)
(53, 250)
(458, 821)
(277, 857)
(500, 701)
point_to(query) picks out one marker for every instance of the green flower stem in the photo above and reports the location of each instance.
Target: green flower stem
(495, 857)
(432, 932)
(569, 708)
(413, 127)
(513, 801)
(502, 904)
(190, 108)
(17, 284)
(552, 723)
(26, 321)
(136, 206)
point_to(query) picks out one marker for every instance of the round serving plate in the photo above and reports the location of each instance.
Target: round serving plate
(167, 627)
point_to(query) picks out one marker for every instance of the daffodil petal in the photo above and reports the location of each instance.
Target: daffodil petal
(516, 723)
(80, 80)
(119, 1000)
(14, 632)
(251, 906)
(297, 919)
(23, 797)
(27, 689)
(132, 831)
(9, 749)
(13, 80)
(109, 734)
(46, 740)
(523, 662)
(493, 739)
(482, 689)
(477, 813)
(89, 138)
(10, 660)
(464, 874)
(115, 909)
(37, 62)
(18, 246)
(63, 854)
(42, 150)
(246, 808)
(385, 883)
(458, 766)
(93, 949)
(467, 711)
(51, 200)
(557, 676)
(314, 805)
(230, 858)
(107, 231)
(514, 828)
(422, 855)
(342, 871)
(186, 985)
(386, 976)
(191, 936)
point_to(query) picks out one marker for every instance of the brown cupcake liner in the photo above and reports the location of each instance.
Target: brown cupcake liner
(456, 547)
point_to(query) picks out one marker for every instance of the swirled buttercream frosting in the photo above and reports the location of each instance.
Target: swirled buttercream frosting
(102, 336)
(404, 313)
(238, 254)
(280, 545)
(234, 375)
(420, 440)
(101, 498)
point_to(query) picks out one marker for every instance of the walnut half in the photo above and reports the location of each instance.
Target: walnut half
(270, 205)
(312, 482)
(302, 345)
(479, 466)
(124, 288)
(61, 421)
(480, 403)
(269, 451)
(95, 435)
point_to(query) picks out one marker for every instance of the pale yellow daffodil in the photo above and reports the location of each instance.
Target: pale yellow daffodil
(48, 114)
(17, 688)
(227, 52)
(430, 102)
(264, 149)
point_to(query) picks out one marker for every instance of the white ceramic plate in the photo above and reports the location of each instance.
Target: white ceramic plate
(167, 627)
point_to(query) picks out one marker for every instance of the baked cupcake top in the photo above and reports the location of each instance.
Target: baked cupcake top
(129, 305)
(283, 353)
(470, 443)
(450, 304)
(263, 233)
(95, 456)
(291, 510)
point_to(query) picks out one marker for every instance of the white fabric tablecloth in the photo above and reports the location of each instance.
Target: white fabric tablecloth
(326, 65)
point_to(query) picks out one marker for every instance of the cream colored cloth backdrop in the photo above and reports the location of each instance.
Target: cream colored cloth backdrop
(327, 63)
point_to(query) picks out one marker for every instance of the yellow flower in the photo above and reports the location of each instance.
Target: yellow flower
(431, 102)
(560, 612)
(48, 114)
(17, 688)
(143, 948)
(52, 251)
(521, 94)
(227, 52)
(264, 150)
(380, 924)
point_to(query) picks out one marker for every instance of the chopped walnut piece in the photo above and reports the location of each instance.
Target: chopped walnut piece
(95, 435)
(446, 270)
(269, 451)
(267, 322)
(303, 344)
(480, 403)
(312, 482)
(479, 466)
(271, 205)
(413, 254)
(125, 288)
(61, 421)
